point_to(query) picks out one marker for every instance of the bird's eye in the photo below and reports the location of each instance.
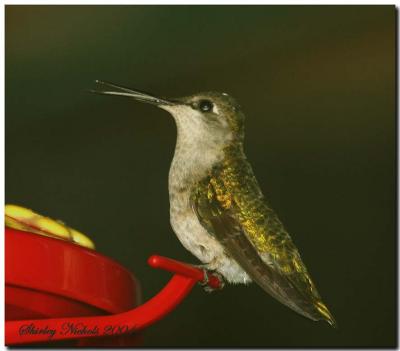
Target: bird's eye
(205, 105)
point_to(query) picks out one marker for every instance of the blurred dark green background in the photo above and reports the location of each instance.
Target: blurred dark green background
(318, 88)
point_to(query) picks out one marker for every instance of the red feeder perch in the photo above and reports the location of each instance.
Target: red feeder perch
(57, 291)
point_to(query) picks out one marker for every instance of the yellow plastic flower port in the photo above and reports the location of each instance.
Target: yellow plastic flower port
(24, 219)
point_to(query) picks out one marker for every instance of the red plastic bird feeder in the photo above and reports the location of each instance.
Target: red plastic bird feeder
(61, 293)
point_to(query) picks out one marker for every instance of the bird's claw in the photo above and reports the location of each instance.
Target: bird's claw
(205, 283)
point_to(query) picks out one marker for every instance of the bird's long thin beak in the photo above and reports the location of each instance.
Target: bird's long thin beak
(135, 94)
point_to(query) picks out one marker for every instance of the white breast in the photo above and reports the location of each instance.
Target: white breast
(184, 173)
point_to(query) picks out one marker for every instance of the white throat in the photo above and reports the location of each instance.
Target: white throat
(199, 146)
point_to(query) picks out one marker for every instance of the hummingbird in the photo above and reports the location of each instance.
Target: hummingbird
(217, 208)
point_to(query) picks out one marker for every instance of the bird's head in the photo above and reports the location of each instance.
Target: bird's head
(210, 118)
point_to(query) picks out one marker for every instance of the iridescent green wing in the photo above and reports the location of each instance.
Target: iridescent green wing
(230, 205)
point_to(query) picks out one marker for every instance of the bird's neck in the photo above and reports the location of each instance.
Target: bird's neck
(194, 159)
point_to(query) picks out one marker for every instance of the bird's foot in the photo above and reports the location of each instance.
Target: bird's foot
(212, 280)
